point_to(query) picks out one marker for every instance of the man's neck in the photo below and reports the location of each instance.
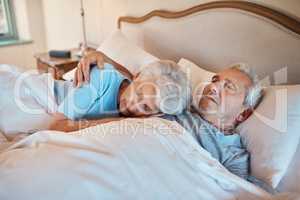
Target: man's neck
(218, 122)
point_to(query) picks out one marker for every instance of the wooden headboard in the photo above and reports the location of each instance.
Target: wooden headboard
(217, 34)
(271, 14)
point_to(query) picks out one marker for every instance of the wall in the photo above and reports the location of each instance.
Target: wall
(56, 24)
(63, 22)
(112, 9)
(30, 24)
(62, 19)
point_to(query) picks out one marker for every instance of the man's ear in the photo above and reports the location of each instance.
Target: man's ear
(244, 115)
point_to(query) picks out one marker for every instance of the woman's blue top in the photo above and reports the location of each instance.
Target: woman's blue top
(97, 99)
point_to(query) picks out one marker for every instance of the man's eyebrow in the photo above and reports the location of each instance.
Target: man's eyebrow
(229, 80)
(215, 77)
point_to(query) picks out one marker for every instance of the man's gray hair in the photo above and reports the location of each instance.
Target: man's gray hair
(174, 90)
(255, 93)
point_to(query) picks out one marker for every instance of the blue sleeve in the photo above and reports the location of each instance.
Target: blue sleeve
(78, 102)
(96, 98)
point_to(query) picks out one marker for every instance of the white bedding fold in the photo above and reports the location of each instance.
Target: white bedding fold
(131, 159)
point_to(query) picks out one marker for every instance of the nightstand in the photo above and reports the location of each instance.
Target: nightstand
(57, 66)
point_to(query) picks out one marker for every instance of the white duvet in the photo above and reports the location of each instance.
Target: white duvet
(130, 159)
(26, 101)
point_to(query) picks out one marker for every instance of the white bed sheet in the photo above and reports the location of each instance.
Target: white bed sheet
(131, 159)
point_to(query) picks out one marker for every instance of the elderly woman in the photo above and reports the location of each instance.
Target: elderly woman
(160, 87)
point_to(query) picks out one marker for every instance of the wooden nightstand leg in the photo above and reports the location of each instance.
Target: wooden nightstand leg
(52, 71)
(44, 68)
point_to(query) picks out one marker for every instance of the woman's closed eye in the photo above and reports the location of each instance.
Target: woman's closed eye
(146, 108)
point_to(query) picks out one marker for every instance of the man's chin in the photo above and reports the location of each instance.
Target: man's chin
(207, 108)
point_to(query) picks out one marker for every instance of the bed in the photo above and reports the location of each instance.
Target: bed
(155, 158)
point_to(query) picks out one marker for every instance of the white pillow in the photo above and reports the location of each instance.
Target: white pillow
(272, 133)
(118, 48)
(291, 180)
(195, 74)
(125, 52)
(69, 75)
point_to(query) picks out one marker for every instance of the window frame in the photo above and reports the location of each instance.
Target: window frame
(10, 17)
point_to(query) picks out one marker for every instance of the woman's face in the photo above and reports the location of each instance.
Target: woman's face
(139, 99)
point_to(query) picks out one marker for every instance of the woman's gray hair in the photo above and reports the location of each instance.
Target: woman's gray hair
(255, 93)
(174, 90)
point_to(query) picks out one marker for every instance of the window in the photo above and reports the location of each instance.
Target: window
(8, 29)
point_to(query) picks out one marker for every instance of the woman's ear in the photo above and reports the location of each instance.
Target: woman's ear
(136, 75)
(244, 115)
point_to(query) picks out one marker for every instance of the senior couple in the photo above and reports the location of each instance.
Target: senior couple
(104, 91)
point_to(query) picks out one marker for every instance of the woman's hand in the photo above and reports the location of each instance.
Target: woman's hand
(82, 73)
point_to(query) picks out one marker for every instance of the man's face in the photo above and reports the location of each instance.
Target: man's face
(139, 99)
(222, 99)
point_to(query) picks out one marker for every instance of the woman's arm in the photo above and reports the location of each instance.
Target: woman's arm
(82, 73)
(60, 123)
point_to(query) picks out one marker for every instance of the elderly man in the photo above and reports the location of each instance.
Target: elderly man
(160, 87)
(228, 100)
